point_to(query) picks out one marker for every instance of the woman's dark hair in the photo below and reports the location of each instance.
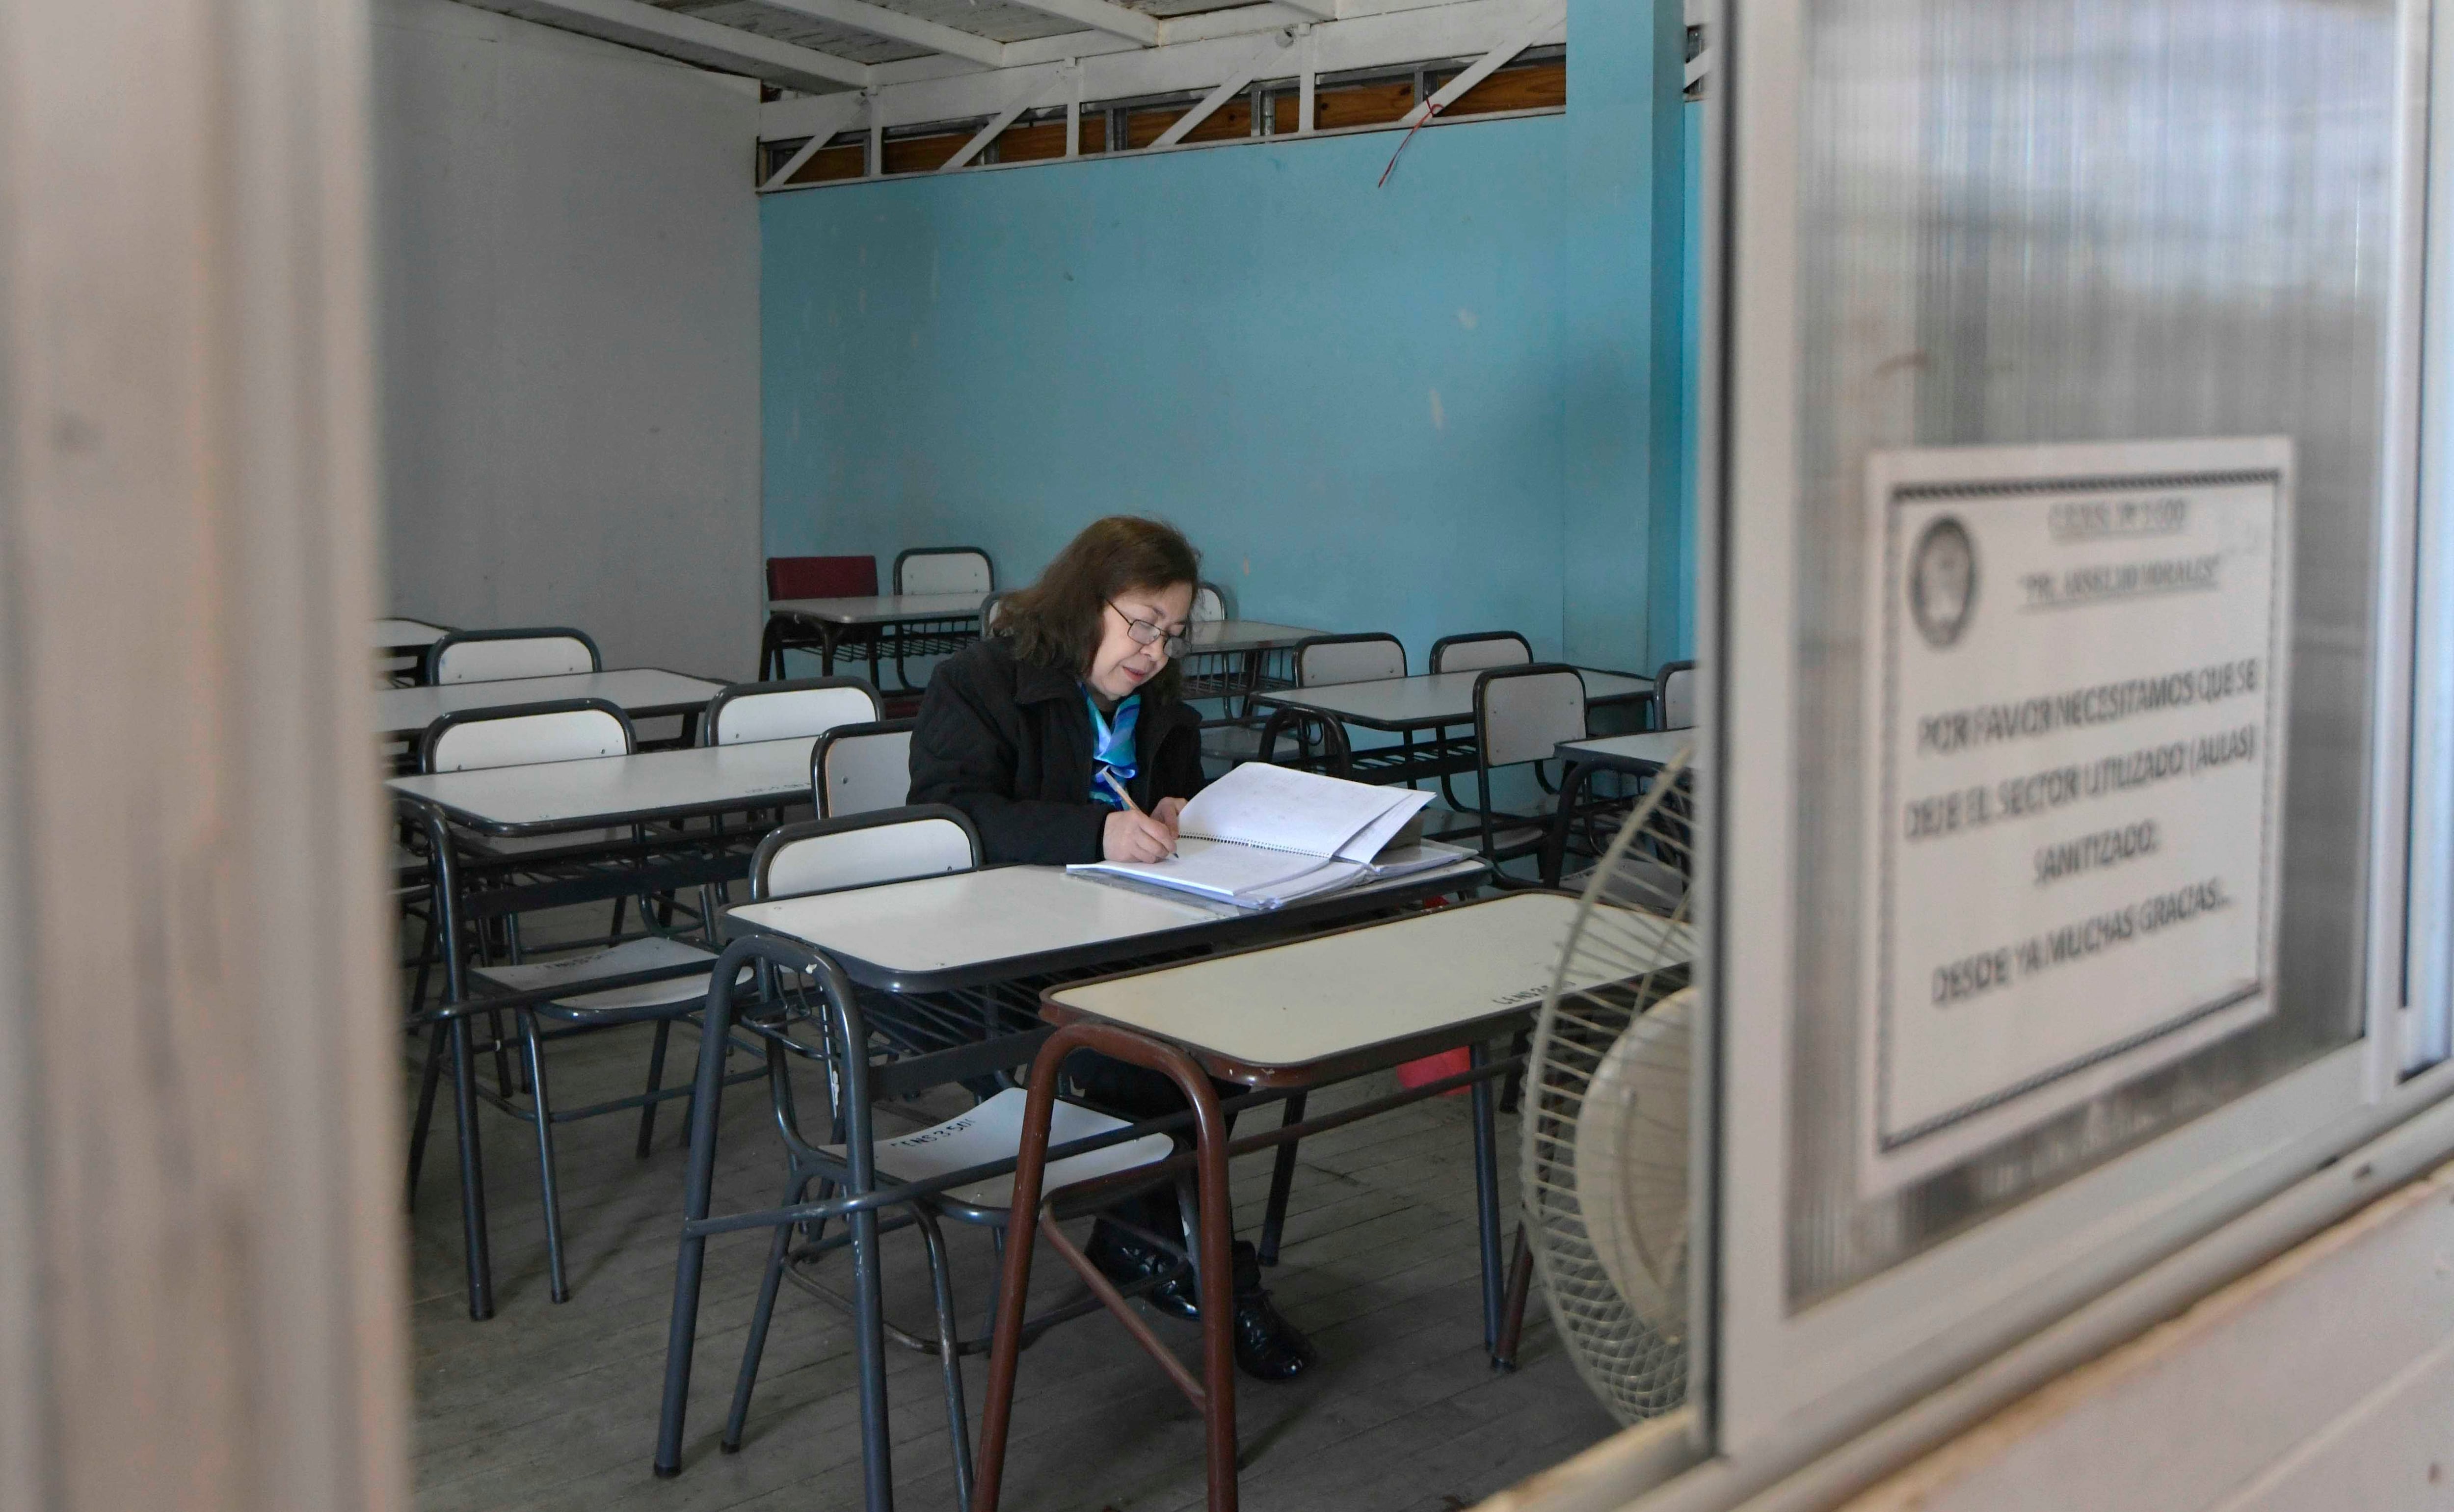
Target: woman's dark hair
(1060, 620)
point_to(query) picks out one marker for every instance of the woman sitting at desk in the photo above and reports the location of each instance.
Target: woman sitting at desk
(1064, 738)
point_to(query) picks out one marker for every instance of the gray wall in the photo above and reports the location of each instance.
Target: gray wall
(568, 247)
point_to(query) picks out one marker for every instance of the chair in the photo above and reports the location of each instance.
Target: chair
(863, 768)
(944, 569)
(787, 710)
(571, 730)
(813, 577)
(1520, 715)
(520, 735)
(865, 851)
(926, 570)
(492, 656)
(1367, 656)
(821, 578)
(1480, 650)
(1673, 695)
(1476, 652)
(991, 608)
(1364, 657)
(1208, 675)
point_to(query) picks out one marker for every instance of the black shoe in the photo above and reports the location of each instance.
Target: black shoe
(1267, 1346)
(1128, 1261)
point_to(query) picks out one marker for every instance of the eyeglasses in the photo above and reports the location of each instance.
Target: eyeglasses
(1146, 634)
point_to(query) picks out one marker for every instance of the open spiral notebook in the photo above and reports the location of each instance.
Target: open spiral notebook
(1262, 836)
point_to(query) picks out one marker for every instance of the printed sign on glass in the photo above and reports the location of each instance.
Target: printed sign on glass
(2075, 710)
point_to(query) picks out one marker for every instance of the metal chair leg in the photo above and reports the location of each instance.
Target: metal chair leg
(655, 1083)
(542, 1107)
(1283, 1180)
(778, 1255)
(950, 1350)
(473, 1174)
(428, 1085)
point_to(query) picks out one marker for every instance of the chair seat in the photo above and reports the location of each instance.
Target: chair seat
(993, 1131)
(574, 972)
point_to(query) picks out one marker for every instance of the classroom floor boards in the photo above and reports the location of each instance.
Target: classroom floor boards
(554, 1407)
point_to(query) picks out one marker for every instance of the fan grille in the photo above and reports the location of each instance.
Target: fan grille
(1633, 938)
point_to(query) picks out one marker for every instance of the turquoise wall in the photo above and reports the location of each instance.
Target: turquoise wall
(1620, 501)
(1356, 400)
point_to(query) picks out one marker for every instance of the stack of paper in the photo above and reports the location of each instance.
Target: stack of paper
(1262, 836)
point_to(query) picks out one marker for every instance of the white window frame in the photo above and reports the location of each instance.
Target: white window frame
(1778, 1388)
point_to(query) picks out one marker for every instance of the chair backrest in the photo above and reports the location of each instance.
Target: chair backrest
(782, 711)
(944, 569)
(1348, 658)
(990, 608)
(1484, 648)
(522, 733)
(821, 578)
(1674, 693)
(890, 845)
(491, 655)
(1210, 604)
(1521, 713)
(863, 768)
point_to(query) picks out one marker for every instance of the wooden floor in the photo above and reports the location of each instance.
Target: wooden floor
(550, 1407)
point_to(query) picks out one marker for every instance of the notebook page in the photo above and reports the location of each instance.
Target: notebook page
(1368, 842)
(1286, 810)
(1217, 869)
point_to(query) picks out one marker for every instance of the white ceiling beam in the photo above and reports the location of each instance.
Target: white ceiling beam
(1312, 9)
(1234, 84)
(830, 114)
(1032, 94)
(1396, 33)
(675, 36)
(896, 25)
(1100, 15)
(1547, 17)
(1201, 26)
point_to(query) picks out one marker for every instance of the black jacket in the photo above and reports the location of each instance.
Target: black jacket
(1008, 743)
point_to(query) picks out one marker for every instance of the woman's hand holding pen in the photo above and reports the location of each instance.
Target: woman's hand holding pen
(1133, 835)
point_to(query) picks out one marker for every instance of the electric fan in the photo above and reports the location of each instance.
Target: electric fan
(1606, 1111)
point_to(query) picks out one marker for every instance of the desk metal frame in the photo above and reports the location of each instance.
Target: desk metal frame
(936, 1053)
(860, 1197)
(911, 632)
(1446, 754)
(1583, 761)
(469, 889)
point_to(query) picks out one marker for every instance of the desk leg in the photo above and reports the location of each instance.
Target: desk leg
(1283, 1180)
(473, 1174)
(1214, 1394)
(1486, 1194)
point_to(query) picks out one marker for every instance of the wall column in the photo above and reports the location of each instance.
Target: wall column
(1624, 512)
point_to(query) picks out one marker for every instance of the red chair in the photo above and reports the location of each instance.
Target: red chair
(821, 578)
(813, 577)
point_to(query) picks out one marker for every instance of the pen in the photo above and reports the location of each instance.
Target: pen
(1119, 788)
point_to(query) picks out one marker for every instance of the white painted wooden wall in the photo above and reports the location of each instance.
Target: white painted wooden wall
(2324, 1381)
(568, 255)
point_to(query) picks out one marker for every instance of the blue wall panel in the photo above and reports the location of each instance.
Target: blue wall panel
(1451, 403)
(1350, 398)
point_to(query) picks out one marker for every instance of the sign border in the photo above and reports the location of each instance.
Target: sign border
(1960, 475)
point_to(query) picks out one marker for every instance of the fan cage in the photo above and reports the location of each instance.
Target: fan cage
(1635, 912)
